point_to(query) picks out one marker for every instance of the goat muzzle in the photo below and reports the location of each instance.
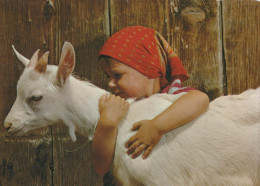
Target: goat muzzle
(7, 126)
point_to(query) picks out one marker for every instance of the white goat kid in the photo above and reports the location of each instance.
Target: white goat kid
(221, 147)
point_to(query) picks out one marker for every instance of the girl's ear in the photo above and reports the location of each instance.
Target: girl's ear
(66, 64)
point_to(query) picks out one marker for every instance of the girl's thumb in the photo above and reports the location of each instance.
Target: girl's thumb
(103, 99)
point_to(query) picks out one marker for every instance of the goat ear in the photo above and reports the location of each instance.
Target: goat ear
(42, 63)
(23, 59)
(33, 61)
(66, 64)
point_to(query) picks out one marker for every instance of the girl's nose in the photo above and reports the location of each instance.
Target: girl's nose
(112, 83)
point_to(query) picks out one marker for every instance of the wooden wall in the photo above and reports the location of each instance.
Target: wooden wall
(217, 41)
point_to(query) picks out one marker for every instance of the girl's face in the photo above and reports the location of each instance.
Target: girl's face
(126, 82)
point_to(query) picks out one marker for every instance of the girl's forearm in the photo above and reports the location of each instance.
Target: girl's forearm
(185, 109)
(103, 146)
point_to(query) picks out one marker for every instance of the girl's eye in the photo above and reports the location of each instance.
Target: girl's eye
(117, 76)
(36, 98)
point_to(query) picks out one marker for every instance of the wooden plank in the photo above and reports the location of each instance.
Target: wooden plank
(23, 160)
(84, 24)
(194, 30)
(241, 31)
(191, 28)
(135, 12)
(26, 160)
(72, 161)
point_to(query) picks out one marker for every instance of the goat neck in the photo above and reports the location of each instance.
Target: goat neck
(82, 99)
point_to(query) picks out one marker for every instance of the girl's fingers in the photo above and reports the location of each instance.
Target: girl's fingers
(102, 100)
(126, 103)
(112, 96)
(133, 146)
(136, 126)
(138, 151)
(130, 141)
(147, 152)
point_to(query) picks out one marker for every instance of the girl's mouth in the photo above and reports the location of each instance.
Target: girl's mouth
(116, 93)
(120, 94)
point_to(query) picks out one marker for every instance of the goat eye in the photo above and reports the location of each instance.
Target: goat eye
(36, 98)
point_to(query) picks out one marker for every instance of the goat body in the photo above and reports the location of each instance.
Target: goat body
(221, 147)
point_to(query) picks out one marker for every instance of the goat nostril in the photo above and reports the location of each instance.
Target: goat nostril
(7, 126)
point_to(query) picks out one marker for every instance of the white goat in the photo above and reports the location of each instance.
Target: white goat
(221, 147)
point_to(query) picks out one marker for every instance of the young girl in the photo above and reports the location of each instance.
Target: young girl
(139, 63)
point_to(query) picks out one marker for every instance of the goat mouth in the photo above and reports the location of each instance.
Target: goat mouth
(11, 132)
(8, 129)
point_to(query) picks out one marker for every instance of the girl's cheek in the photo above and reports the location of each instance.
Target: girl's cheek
(131, 92)
(122, 83)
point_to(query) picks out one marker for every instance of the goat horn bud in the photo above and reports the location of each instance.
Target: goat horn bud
(34, 59)
(42, 63)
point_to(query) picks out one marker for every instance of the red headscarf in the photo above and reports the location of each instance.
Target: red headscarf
(145, 50)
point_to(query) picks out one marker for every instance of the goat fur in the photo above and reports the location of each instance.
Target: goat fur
(221, 147)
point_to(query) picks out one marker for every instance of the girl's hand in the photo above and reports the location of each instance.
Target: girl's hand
(146, 138)
(112, 110)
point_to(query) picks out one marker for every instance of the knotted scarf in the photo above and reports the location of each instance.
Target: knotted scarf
(145, 50)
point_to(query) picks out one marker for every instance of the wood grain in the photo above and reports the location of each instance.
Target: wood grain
(23, 160)
(194, 32)
(241, 31)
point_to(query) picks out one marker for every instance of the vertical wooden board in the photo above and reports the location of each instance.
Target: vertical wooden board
(21, 164)
(26, 160)
(72, 164)
(241, 31)
(190, 27)
(194, 30)
(84, 24)
(146, 13)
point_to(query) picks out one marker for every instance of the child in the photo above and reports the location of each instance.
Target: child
(139, 63)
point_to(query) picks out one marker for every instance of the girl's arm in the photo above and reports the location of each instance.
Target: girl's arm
(112, 110)
(185, 109)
